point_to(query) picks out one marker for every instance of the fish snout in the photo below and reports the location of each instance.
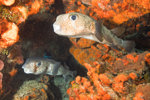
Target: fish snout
(23, 67)
(56, 28)
(26, 70)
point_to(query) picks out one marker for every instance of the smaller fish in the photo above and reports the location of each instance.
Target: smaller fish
(39, 66)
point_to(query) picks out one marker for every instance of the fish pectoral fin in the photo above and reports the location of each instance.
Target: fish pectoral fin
(55, 69)
(99, 37)
(69, 74)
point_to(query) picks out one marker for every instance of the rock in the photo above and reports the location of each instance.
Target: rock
(82, 43)
(61, 87)
(130, 62)
(1, 65)
(144, 90)
(33, 90)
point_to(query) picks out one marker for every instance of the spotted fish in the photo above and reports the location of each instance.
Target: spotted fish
(82, 26)
(46, 66)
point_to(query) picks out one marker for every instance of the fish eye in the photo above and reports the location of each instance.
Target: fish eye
(73, 17)
(39, 63)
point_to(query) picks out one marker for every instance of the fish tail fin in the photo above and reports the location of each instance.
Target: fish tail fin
(69, 73)
(128, 45)
(72, 73)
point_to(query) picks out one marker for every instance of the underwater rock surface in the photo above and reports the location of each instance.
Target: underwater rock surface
(103, 72)
(60, 87)
(33, 90)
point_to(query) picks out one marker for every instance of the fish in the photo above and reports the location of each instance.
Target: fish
(38, 66)
(78, 25)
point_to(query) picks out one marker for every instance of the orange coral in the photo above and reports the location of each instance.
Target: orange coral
(13, 72)
(1, 77)
(147, 58)
(79, 2)
(105, 79)
(129, 56)
(1, 65)
(78, 79)
(115, 11)
(107, 47)
(83, 43)
(43, 91)
(16, 14)
(119, 18)
(148, 33)
(47, 3)
(121, 78)
(21, 11)
(15, 55)
(139, 96)
(26, 98)
(119, 87)
(125, 62)
(118, 84)
(82, 88)
(120, 12)
(35, 7)
(7, 2)
(133, 76)
(99, 86)
(10, 36)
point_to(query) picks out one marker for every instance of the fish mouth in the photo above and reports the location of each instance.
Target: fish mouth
(27, 71)
(59, 31)
(23, 67)
(56, 28)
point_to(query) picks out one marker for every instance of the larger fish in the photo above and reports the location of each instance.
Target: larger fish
(80, 25)
(46, 66)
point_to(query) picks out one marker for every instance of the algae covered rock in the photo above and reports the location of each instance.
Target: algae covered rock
(62, 86)
(143, 89)
(33, 90)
